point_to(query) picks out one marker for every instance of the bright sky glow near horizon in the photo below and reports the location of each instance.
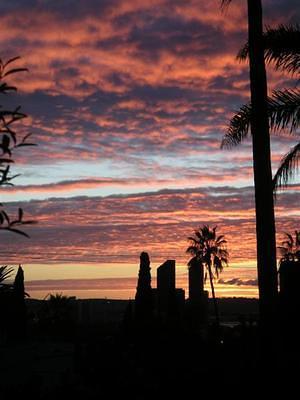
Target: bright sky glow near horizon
(128, 102)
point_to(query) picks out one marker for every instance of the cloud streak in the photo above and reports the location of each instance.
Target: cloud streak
(118, 228)
(238, 282)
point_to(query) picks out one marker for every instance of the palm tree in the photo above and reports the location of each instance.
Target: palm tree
(264, 202)
(210, 251)
(290, 248)
(282, 48)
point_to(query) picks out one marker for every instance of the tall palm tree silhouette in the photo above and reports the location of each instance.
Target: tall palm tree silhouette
(209, 249)
(282, 48)
(264, 202)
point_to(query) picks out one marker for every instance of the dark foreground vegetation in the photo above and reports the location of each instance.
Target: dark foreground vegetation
(115, 356)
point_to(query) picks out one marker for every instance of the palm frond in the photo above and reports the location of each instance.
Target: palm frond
(287, 169)
(239, 127)
(198, 234)
(218, 266)
(284, 109)
(223, 253)
(291, 239)
(282, 48)
(243, 53)
(224, 260)
(220, 241)
(219, 238)
(5, 273)
(213, 233)
(192, 250)
(283, 112)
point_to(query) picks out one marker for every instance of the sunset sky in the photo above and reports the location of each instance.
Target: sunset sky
(128, 102)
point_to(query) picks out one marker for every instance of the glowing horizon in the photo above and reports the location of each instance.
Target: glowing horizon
(118, 281)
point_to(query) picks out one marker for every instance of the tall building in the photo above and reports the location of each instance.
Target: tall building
(144, 295)
(197, 306)
(196, 281)
(166, 278)
(170, 301)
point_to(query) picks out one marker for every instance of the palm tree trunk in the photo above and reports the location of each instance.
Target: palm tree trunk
(213, 295)
(264, 206)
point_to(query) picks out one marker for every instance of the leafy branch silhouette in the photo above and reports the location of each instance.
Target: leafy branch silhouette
(9, 142)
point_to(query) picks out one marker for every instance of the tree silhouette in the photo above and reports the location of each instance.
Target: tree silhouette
(282, 48)
(12, 295)
(9, 142)
(263, 185)
(19, 305)
(12, 302)
(143, 297)
(290, 248)
(5, 293)
(55, 315)
(209, 249)
(59, 307)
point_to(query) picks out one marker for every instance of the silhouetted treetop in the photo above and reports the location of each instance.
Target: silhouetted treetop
(290, 248)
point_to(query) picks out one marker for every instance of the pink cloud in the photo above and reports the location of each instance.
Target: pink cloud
(118, 228)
